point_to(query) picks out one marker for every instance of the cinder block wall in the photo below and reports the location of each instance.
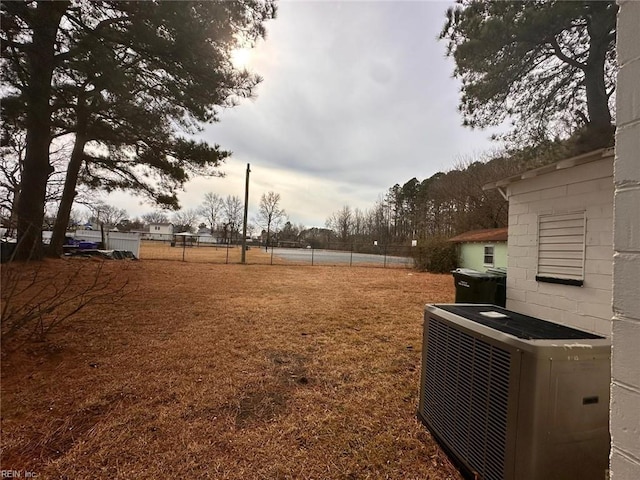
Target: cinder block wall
(625, 387)
(589, 188)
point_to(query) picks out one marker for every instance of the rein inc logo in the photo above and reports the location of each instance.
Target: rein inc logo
(17, 474)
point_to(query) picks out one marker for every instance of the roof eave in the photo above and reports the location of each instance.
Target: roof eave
(561, 165)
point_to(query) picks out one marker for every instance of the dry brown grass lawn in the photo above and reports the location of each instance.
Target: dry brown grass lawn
(230, 372)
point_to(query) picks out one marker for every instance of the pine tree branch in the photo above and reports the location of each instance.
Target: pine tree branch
(565, 58)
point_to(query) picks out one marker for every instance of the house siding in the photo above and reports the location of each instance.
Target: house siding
(584, 188)
(472, 255)
(625, 370)
(160, 231)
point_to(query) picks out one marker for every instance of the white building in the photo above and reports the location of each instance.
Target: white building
(160, 231)
(560, 242)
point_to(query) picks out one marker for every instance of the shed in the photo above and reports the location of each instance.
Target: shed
(560, 249)
(482, 249)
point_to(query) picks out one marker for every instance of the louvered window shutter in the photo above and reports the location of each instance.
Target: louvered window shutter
(561, 247)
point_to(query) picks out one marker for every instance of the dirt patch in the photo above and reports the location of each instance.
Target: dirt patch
(230, 372)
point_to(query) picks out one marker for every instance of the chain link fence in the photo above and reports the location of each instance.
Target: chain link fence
(383, 256)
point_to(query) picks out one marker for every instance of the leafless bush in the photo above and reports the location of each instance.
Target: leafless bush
(38, 296)
(435, 255)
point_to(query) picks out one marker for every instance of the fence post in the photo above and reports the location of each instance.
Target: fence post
(227, 261)
(385, 256)
(312, 249)
(271, 254)
(351, 256)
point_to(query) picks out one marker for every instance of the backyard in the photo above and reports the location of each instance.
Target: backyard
(227, 372)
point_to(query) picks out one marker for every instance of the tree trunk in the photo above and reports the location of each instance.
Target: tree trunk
(68, 195)
(597, 99)
(44, 21)
(266, 247)
(601, 22)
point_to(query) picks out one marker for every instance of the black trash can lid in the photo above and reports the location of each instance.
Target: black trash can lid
(497, 271)
(467, 272)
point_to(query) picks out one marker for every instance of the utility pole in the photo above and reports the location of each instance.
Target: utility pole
(244, 224)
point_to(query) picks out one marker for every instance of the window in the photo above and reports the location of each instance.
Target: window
(488, 255)
(561, 246)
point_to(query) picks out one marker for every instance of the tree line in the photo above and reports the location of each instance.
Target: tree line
(443, 205)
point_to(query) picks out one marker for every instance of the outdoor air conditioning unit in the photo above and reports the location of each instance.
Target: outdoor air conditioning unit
(514, 397)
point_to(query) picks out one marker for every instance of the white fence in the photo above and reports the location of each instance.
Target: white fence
(113, 240)
(204, 238)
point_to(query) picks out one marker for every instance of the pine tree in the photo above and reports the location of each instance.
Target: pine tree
(548, 65)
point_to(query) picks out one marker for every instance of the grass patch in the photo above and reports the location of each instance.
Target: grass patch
(230, 372)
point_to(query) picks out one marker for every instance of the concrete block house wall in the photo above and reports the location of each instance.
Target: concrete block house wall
(625, 386)
(579, 186)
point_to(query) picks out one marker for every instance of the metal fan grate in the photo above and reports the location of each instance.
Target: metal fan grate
(466, 393)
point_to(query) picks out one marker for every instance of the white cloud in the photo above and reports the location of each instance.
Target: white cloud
(357, 96)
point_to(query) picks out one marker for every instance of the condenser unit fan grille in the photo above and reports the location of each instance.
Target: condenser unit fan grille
(466, 396)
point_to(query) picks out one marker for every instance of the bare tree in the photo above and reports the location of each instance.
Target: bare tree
(377, 220)
(106, 214)
(445, 204)
(184, 220)
(12, 154)
(251, 228)
(270, 215)
(359, 222)
(476, 208)
(210, 210)
(233, 212)
(155, 217)
(341, 222)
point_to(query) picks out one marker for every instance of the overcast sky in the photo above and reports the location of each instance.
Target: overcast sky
(357, 96)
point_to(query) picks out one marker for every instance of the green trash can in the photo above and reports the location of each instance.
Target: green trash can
(480, 287)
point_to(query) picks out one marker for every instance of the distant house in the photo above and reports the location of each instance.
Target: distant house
(160, 231)
(560, 249)
(482, 249)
